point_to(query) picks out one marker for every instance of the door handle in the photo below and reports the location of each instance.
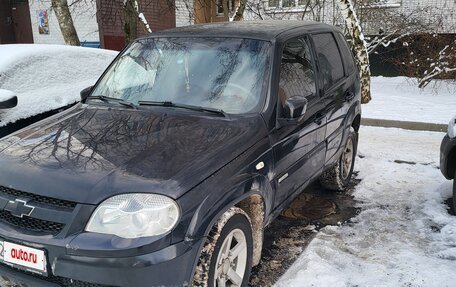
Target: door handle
(349, 96)
(319, 118)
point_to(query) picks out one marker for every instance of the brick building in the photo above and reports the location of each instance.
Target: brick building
(33, 21)
(160, 14)
(96, 21)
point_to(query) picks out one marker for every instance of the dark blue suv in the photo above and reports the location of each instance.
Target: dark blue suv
(170, 168)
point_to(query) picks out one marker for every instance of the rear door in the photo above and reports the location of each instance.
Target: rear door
(334, 90)
(299, 149)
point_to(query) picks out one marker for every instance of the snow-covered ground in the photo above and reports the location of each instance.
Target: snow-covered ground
(403, 235)
(47, 77)
(399, 98)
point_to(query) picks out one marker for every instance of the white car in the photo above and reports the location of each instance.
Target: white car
(36, 80)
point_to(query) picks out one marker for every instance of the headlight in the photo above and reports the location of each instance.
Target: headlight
(452, 128)
(135, 215)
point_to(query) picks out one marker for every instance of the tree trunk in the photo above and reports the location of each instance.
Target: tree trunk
(240, 11)
(131, 21)
(359, 47)
(65, 20)
(226, 10)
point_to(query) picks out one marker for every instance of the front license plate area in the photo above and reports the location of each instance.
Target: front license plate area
(23, 257)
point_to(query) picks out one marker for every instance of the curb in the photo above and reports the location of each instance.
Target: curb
(415, 126)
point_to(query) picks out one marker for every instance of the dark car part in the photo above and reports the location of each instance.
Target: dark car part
(226, 257)
(9, 103)
(448, 157)
(338, 176)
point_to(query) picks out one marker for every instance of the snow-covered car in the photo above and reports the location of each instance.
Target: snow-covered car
(44, 78)
(448, 156)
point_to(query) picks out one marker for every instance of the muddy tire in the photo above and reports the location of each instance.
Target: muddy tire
(338, 177)
(227, 253)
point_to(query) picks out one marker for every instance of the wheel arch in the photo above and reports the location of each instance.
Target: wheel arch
(451, 163)
(253, 196)
(356, 123)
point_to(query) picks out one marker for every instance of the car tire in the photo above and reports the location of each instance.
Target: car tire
(232, 233)
(338, 176)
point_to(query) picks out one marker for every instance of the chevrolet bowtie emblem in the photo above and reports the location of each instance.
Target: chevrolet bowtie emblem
(19, 208)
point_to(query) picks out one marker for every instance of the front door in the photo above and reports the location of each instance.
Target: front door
(299, 149)
(6, 23)
(22, 24)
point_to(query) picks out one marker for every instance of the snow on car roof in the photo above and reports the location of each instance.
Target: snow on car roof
(47, 77)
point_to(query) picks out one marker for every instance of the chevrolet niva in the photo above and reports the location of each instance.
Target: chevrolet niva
(188, 146)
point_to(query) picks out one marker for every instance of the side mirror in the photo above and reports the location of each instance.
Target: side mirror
(295, 107)
(85, 93)
(8, 99)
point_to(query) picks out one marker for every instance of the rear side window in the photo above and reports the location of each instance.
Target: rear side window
(346, 54)
(331, 67)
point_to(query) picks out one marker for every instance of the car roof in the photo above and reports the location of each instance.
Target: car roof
(262, 30)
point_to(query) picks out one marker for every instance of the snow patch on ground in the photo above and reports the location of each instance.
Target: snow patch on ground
(399, 98)
(403, 235)
(47, 77)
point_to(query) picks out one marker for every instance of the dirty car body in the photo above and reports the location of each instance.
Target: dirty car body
(201, 156)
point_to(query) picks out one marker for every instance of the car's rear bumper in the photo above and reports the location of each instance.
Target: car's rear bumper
(171, 266)
(445, 148)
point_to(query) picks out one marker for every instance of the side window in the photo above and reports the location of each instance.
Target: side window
(346, 53)
(297, 77)
(331, 67)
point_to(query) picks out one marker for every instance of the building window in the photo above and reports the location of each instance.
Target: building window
(288, 3)
(384, 3)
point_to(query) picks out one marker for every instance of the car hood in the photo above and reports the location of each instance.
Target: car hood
(89, 153)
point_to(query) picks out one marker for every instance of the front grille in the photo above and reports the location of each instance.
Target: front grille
(30, 223)
(37, 198)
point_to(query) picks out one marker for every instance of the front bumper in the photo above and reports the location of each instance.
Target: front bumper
(448, 145)
(171, 266)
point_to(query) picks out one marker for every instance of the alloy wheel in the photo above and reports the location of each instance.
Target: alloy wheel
(231, 260)
(347, 159)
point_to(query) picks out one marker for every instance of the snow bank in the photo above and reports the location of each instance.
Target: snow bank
(47, 77)
(403, 236)
(399, 98)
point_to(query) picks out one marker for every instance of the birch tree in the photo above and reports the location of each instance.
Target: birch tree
(132, 14)
(62, 12)
(359, 47)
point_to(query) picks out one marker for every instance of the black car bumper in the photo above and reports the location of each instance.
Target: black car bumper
(446, 167)
(171, 266)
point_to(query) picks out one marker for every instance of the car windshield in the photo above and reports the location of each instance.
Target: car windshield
(227, 74)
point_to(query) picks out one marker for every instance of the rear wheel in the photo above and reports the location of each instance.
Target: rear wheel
(226, 258)
(338, 177)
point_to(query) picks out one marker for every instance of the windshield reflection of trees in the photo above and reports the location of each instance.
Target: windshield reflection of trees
(194, 71)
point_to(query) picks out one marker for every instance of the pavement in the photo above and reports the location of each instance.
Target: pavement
(416, 126)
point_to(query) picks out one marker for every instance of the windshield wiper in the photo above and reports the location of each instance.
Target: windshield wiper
(111, 99)
(183, 106)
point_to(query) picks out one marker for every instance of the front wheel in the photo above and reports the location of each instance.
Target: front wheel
(338, 177)
(226, 258)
